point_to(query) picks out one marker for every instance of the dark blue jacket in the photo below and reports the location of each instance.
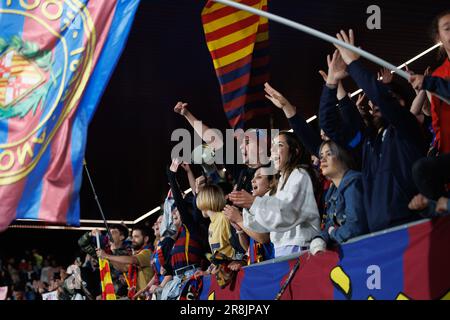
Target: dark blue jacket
(343, 123)
(345, 209)
(388, 156)
(437, 85)
(306, 134)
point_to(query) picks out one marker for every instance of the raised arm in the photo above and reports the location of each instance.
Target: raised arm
(378, 92)
(433, 84)
(191, 177)
(306, 134)
(200, 128)
(344, 124)
(176, 192)
(418, 103)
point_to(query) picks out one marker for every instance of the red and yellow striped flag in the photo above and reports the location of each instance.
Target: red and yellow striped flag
(238, 43)
(108, 292)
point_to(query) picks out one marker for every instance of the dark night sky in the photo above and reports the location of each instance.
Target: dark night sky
(166, 60)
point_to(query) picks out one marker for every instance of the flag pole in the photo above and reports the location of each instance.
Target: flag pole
(289, 279)
(96, 199)
(323, 36)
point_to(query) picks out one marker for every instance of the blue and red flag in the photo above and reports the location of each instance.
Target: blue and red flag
(238, 43)
(407, 263)
(56, 58)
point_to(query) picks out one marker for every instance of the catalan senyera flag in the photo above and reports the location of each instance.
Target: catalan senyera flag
(238, 43)
(409, 262)
(56, 58)
(108, 292)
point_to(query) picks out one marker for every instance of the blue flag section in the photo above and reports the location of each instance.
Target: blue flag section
(410, 262)
(56, 58)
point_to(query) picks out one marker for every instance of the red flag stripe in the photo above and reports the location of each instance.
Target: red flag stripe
(236, 84)
(223, 12)
(233, 47)
(234, 66)
(232, 28)
(242, 100)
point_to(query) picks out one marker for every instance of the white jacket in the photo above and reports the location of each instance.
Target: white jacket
(291, 215)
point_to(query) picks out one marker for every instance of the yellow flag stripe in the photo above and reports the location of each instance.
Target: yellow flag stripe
(227, 20)
(233, 37)
(233, 57)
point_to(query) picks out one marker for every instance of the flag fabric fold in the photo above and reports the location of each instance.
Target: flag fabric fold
(56, 58)
(405, 263)
(238, 43)
(108, 292)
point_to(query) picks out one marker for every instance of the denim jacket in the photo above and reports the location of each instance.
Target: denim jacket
(345, 209)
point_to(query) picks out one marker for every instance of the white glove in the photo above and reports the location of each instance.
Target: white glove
(317, 245)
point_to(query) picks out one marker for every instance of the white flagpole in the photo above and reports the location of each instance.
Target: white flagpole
(321, 35)
(317, 34)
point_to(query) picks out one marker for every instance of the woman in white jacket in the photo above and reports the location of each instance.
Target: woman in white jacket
(291, 215)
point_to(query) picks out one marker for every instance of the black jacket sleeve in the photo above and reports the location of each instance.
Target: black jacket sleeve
(179, 201)
(379, 94)
(342, 125)
(437, 85)
(306, 134)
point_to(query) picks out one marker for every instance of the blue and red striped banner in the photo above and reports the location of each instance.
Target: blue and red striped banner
(409, 263)
(56, 58)
(238, 43)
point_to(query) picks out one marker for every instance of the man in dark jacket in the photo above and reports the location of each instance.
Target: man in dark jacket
(390, 147)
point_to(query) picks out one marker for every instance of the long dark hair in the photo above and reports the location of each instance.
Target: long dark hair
(298, 158)
(434, 32)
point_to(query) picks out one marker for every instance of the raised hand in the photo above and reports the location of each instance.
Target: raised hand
(360, 100)
(180, 108)
(279, 101)
(347, 55)
(324, 75)
(101, 254)
(337, 69)
(277, 98)
(94, 232)
(385, 76)
(200, 182)
(175, 164)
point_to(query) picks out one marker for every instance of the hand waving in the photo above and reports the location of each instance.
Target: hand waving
(337, 69)
(347, 55)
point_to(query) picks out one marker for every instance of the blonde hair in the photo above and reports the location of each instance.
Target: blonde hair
(211, 198)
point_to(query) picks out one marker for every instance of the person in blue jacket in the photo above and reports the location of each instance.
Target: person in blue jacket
(390, 146)
(346, 217)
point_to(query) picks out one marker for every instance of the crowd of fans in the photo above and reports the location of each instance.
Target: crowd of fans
(379, 162)
(34, 275)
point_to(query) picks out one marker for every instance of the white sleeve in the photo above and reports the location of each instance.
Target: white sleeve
(251, 223)
(293, 205)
